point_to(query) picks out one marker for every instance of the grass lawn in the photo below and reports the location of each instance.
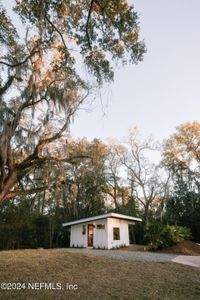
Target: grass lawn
(96, 277)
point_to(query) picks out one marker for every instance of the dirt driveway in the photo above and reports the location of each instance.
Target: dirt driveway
(140, 256)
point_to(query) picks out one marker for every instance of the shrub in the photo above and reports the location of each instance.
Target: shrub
(158, 236)
(175, 234)
(153, 236)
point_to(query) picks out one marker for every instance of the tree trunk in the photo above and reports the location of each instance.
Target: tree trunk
(146, 214)
(7, 185)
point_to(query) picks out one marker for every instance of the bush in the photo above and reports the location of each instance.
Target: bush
(158, 236)
(175, 234)
(153, 236)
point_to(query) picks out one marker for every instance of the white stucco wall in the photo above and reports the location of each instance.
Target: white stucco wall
(100, 235)
(77, 239)
(124, 233)
(102, 238)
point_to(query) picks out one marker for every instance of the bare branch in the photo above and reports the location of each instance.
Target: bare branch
(58, 31)
(6, 85)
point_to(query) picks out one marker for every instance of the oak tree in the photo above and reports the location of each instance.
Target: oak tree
(42, 82)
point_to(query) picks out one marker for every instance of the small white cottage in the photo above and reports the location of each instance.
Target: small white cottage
(106, 231)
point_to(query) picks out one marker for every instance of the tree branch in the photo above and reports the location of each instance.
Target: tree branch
(87, 23)
(16, 193)
(19, 63)
(58, 31)
(6, 85)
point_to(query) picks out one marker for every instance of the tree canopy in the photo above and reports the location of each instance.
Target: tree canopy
(42, 83)
(182, 153)
(181, 156)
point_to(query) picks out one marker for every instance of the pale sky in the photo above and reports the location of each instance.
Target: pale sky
(159, 93)
(163, 91)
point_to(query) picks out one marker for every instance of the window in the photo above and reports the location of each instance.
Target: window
(83, 229)
(100, 226)
(116, 234)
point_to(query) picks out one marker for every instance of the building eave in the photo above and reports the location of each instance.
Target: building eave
(104, 216)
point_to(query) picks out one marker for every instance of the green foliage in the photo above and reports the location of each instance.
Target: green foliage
(153, 236)
(88, 180)
(139, 232)
(129, 208)
(21, 227)
(158, 236)
(183, 208)
(181, 157)
(175, 234)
